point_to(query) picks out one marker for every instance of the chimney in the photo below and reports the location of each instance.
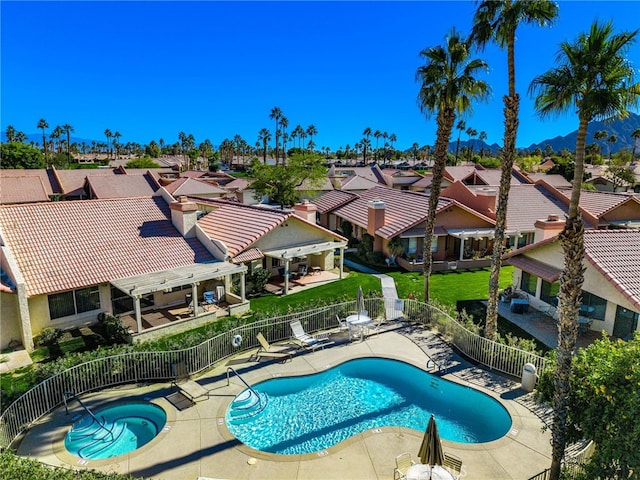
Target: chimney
(486, 199)
(375, 220)
(306, 210)
(184, 216)
(548, 228)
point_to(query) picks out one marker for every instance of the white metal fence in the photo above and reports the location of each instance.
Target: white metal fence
(154, 366)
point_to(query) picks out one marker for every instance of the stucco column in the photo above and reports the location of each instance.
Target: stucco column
(136, 307)
(286, 276)
(25, 317)
(341, 262)
(242, 288)
(194, 299)
(461, 248)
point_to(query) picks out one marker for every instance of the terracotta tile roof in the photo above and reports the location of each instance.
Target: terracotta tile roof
(403, 209)
(65, 245)
(237, 184)
(239, 226)
(616, 254)
(600, 203)
(546, 272)
(557, 181)
(193, 186)
(424, 182)
(121, 186)
(23, 189)
(356, 182)
(486, 176)
(372, 173)
(529, 203)
(332, 200)
(248, 256)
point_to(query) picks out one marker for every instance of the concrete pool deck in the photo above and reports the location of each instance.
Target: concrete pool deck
(196, 443)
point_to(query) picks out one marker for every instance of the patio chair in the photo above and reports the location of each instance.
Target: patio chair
(302, 270)
(183, 382)
(209, 299)
(403, 464)
(268, 350)
(306, 340)
(342, 324)
(453, 464)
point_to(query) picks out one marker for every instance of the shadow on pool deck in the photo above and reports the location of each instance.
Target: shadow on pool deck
(198, 444)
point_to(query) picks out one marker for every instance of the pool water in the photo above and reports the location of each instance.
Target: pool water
(121, 429)
(305, 414)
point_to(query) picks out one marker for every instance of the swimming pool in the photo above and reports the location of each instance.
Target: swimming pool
(305, 414)
(115, 430)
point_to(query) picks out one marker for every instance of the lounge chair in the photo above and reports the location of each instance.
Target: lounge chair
(268, 350)
(306, 340)
(182, 381)
(453, 464)
(302, 270)
(403, 464)
(342, 324)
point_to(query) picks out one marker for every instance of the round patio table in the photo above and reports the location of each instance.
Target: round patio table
(360, 321)
(420, 471)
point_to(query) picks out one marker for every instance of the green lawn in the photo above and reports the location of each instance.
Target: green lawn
(451, 286)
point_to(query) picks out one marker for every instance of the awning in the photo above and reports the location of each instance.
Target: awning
(248, 256)
(165, 279)
(419, 232)
(303, 250)
(478, 232)
(535, 267)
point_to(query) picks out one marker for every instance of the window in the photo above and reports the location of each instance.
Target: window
(434, 244)
(298, 259)
(123, 303)
(598, 305)
(549, 293)
(73, 302)
(412, 247)
(528, 283)
(276, 262)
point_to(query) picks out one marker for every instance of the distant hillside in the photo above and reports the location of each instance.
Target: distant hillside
(620, 128)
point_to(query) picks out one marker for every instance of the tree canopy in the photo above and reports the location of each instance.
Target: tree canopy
(281, 182)
(20, 155)
(143, 162)
(604, 400)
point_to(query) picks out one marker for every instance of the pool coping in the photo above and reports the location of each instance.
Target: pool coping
(498, 443)
(197, 444)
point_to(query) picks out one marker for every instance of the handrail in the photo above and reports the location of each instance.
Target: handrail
(73, 395)
(431, 363)
(242, 380)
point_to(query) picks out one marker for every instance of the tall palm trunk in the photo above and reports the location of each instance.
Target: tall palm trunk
(571, 279)
(511, 108)
(445, 121)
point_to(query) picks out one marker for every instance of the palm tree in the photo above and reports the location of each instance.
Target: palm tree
(264, 137)
(116, 142)
(498, 20)
(461, 125)
(482, 138)
(284, 124)
(276, 114)
(108, 134)
(10, 133)
(611, 140)
(311, 131)
(55, 135)
(447, 87)
(595, 79)
(392, 140)
(366, 145)
(377, 134)
(635, 135)
(67, 129)
(471, 133)
(44, 125)
(367, 133)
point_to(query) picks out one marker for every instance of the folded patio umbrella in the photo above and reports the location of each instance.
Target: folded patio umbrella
(359, 301)
(430, 452)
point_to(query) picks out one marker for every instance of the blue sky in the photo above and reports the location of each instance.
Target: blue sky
(216, 69)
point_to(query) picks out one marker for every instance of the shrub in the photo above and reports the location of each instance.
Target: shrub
(257, 280)
(112, 329)
(48, 336)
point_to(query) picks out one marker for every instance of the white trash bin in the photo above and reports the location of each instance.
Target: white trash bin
(529, 377)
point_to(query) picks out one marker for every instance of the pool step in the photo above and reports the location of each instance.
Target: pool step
(247, 404)
(104, 440)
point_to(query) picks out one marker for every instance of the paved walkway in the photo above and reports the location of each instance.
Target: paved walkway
(14, 360)
(196, 443)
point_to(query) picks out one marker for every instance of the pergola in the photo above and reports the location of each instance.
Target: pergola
(302, 250)
(477, 233)
(140, 285)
